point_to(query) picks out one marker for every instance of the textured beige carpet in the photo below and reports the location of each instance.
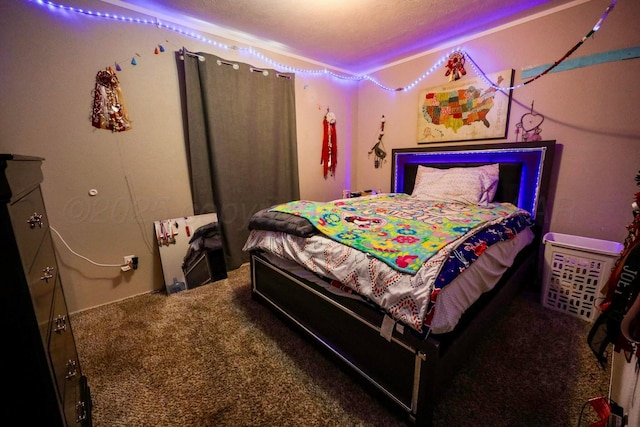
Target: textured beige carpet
(212, 356)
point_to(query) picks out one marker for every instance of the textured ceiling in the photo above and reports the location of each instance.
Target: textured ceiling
(351, 35)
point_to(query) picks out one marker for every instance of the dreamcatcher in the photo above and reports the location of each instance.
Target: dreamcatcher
(530, 126)
(109, 111)
(378, 148)
(455, 66)
(329, 144)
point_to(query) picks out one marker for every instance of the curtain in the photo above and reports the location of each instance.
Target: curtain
(242, 145)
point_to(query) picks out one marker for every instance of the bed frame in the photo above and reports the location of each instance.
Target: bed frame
(409, 370)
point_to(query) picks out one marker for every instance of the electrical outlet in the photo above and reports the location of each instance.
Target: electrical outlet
(130, 261)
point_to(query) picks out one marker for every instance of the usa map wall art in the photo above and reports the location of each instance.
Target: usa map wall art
(466, 109)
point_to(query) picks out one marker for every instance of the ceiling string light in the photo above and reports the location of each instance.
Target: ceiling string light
(324, 71)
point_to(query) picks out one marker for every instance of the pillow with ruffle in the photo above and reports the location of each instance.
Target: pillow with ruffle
(472, 185)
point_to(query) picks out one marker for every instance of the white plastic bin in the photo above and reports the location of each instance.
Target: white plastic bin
(575, 270)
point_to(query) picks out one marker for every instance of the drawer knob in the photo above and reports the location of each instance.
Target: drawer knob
(60, 324)
(46, 274)
(35, 219)
(81, 411)
(71, 369)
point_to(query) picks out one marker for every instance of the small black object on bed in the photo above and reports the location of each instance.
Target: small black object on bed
(412, 369)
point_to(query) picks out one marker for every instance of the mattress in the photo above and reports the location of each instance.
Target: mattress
(446, 306)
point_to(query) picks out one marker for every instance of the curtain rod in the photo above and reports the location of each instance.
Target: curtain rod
(235, 66)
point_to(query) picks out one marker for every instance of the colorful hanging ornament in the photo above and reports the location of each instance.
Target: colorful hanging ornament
(161, 48)
(109, 111)
(133, 61)
(157, 51)
(118, 67)
(329, 144)
(530, 126)
(455, 66)
(378, 148)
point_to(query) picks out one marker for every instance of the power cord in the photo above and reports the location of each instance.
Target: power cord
(82, 256)
(602, 408)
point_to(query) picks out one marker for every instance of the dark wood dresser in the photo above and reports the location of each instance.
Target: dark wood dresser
(42, 380)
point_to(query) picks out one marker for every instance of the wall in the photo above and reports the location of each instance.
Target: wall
(624, 386)
(50, 58)
(590, 111)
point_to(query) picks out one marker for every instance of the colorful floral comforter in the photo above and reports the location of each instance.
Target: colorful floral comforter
(396, 228)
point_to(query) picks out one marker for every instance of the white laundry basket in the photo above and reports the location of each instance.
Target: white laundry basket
(575, 270)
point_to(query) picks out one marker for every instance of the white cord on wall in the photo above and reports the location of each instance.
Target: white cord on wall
(82, 256)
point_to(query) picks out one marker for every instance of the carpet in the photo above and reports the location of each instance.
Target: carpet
(212, 356)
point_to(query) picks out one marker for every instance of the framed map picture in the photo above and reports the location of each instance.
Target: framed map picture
(466, 109)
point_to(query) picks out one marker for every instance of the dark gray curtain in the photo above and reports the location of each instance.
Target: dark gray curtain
(241, 143)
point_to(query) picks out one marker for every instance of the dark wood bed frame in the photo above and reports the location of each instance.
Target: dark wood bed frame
(407, 369)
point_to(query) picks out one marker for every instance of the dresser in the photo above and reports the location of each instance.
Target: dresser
(42, 381)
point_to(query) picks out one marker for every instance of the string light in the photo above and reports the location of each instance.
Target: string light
(325, 71)
(595, 28)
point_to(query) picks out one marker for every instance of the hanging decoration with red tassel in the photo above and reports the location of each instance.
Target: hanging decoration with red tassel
(329, 144)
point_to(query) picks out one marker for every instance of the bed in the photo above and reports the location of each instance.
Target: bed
(408, 354)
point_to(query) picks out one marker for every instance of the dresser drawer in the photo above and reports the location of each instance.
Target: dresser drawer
(72, 399)
(43, 277)
(63, 355)
(29, 222)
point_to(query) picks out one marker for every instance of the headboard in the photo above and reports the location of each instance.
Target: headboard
(524, 168)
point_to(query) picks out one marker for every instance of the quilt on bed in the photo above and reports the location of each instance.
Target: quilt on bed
(440, 240)
(396, 228)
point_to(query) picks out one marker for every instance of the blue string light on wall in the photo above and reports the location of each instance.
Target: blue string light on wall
(325, 71)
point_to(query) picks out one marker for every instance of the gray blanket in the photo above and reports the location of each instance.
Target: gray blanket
(280, 221)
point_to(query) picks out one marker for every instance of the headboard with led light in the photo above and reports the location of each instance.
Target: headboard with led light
(524, 168)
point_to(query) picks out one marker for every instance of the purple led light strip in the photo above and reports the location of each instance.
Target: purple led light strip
(531, 159)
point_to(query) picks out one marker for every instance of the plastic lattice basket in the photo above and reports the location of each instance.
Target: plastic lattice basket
(575, 270)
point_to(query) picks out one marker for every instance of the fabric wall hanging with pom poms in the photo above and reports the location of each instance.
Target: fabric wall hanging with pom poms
(109, 110)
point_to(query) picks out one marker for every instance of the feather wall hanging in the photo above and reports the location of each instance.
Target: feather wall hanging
(378, 149)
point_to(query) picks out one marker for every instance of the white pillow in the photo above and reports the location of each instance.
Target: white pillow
(472, 185)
